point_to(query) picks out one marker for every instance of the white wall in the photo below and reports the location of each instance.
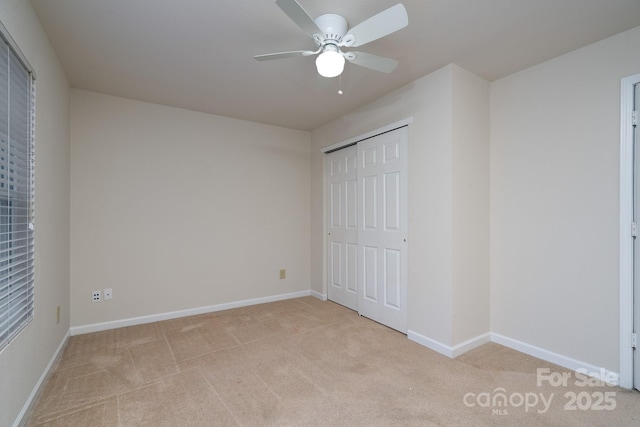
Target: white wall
(555, 141)
(470, 206)
(175, 209)
(23, 362)
(431, 101)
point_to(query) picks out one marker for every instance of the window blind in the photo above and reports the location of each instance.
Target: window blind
(17, 114)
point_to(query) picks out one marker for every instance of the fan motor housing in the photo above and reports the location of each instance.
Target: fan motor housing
(333, 26)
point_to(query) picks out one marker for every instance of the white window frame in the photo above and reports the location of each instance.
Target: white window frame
(16, 195)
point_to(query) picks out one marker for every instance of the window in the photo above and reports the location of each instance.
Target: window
(17, 91)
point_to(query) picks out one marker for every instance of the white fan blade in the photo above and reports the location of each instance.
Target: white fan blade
(384, 23)
(298, 15)
(280, 55)
(374, 62)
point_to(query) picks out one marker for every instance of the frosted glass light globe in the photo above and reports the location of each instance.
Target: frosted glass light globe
(330, 63)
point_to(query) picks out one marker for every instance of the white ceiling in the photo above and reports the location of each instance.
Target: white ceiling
(198, 54)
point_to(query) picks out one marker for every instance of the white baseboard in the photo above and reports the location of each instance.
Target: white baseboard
(558, 359)
(566, 362)
(318, 295)
(449, 351)
(36, 389)
(470, 344)
(97, 327)
(432, 344)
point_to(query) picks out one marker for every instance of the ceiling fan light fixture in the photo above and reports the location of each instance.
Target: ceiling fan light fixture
(330, 63)
(331, 32)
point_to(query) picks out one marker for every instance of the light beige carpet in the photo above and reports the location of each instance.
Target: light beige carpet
(306, 362)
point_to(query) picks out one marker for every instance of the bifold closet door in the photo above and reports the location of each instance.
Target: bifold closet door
(382, 228)
(366, 188)
(342, 182)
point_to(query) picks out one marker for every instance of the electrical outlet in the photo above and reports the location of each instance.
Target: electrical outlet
(96, 296)
(108, 294)
(283, 274)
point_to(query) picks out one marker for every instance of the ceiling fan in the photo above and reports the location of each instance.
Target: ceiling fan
(331, 33)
